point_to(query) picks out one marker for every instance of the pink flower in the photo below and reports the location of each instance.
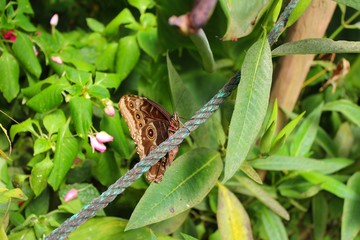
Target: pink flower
(109, 110)
(56, 59)
(38, 33)
(104, 137)
(10, 35)
(54, 20)
(96, 145)
(70, 195)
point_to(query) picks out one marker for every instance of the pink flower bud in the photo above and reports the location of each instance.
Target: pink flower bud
(104, 137)
(96, 145)
(54, 20)
(109, 110)
(70, 195)
(56, 59)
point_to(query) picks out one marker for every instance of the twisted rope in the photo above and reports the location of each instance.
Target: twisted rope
(152, 158)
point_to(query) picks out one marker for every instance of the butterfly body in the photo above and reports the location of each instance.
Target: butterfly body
(149, 125)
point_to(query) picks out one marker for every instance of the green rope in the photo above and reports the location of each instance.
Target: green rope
(152, 158)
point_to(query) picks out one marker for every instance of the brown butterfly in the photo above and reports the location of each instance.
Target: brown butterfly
(149, 125)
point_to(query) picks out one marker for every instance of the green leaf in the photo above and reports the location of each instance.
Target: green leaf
(81, 113)
(27, 234)
(24, 22)
(65, 153)
(108, 228)
(106, 60)
(350, 221)
(105, 169)
(77, 76)
(98, 91)
(24, 53)
(197, 169)
(267, 138)
(272, 224)
(41, 145)
(325, 141)
(95, 25)
(250, 107)
(54, 120)
(124, 17)
(351, 3)
(5, 174)
(170, 225)
(142, 5)
(35, 88)
(108, 80)
(39, 175)
(16, 194)
(178, 90)
(242, 16)
(250, 172)
(127, 56)
(350, 110)
(297, 12)
(233, 221)
(320, 216)
(25, 126)
(2, 5)
(270, 130)
(112, 125)
(24, 6)
(187, 237)
(298, 188)
(264, 197)
(305, 135)
(330, 184)
(282, 163)
(316, 46)
(9, 76)
(47, 99)
(148, 42)
(285, 132)
(203, 47)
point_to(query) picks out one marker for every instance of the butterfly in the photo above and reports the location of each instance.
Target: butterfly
(149, 125)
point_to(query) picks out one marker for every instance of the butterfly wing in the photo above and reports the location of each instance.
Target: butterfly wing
(149, 125)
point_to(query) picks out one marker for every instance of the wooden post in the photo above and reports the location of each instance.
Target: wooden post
(291, 71)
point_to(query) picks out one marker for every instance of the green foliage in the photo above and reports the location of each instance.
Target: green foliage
(238, 176)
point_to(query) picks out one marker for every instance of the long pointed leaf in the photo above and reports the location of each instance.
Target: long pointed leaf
(251, 104)
(65, 153)
(350, 226)
(330, 184)
(273, 226)
(349, 109)
(281, 163)
(184, 185)
(306, 133)
(264, 197)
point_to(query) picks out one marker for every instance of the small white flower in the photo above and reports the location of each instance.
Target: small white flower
(70, 195)
(96, 145)
(104, 137)
(109, 110)
(57, 59)
(54, 20)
